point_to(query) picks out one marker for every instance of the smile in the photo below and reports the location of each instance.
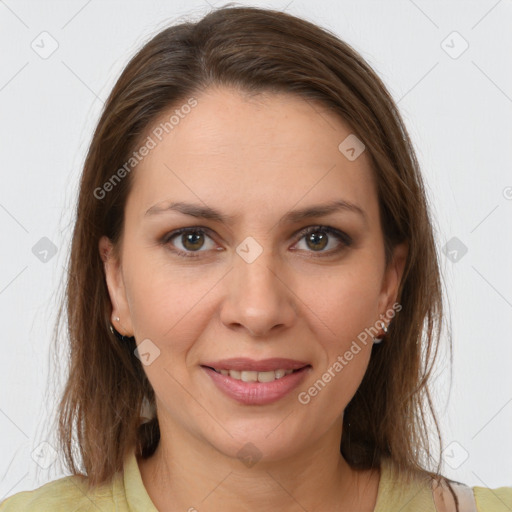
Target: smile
(252, 387)
(251, 376)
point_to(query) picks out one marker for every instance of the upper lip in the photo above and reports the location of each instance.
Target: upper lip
(263, 365)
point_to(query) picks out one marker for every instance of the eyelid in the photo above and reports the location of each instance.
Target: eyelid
(342, 237)
(165, 240)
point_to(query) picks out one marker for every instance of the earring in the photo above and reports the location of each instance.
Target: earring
(147, 411)
(120, 336)
(379, 340)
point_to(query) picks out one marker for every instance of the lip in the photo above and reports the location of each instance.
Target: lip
(257, 393)
(263, 365)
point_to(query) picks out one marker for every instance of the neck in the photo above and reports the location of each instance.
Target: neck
(187, 473)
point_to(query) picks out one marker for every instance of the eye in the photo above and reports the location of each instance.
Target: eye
(191, 240)
(319, 237)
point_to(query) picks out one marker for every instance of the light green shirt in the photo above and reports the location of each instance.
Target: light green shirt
(126, 493)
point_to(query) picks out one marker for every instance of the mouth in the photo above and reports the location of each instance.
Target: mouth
(252, 382)
(254, 376)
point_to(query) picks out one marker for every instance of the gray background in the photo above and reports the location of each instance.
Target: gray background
(457, 104)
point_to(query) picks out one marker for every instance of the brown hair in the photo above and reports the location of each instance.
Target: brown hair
(254, 50)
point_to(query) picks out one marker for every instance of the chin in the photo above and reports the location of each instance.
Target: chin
(265, 442)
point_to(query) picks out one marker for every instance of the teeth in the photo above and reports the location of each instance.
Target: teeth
(281, 373)
(266, 376)
(251, 376)
(235, 374)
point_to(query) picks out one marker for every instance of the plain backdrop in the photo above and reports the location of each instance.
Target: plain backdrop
(446, 63)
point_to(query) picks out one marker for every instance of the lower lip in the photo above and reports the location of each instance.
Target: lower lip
(257, 393)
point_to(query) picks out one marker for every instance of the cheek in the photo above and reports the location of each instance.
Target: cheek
(346, 348)
(345, 299)
(337, 381)
(346, 302)
(167, 302)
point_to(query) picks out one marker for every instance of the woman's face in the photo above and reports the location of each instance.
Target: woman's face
(252, 285)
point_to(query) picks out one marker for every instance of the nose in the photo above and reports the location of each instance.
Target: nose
(259, 297)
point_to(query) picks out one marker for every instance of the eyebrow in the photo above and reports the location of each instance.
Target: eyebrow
(205, 212)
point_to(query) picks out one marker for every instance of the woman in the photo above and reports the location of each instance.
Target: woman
(253, 298)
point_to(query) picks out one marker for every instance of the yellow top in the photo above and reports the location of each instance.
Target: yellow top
(126, 493)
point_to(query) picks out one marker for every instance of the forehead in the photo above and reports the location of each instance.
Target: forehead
(259, 154)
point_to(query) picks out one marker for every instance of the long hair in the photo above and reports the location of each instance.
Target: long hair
(252, 50)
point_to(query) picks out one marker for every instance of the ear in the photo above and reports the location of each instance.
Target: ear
(116, 288)
(393, 277)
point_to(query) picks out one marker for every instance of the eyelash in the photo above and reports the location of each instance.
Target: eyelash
(342, 237)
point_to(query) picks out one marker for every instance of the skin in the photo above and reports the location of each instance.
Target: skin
(257, 158)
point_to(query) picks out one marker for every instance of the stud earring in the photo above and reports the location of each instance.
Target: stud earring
(379, 339)
(120, 336)
(147, 411)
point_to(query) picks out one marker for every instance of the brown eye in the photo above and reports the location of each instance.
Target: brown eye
(317, 238)
(186, 241)
(192, 241)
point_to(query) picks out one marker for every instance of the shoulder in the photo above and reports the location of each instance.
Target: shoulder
(65, 494)
(470, 499)
(421, 492)
(493, 500)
